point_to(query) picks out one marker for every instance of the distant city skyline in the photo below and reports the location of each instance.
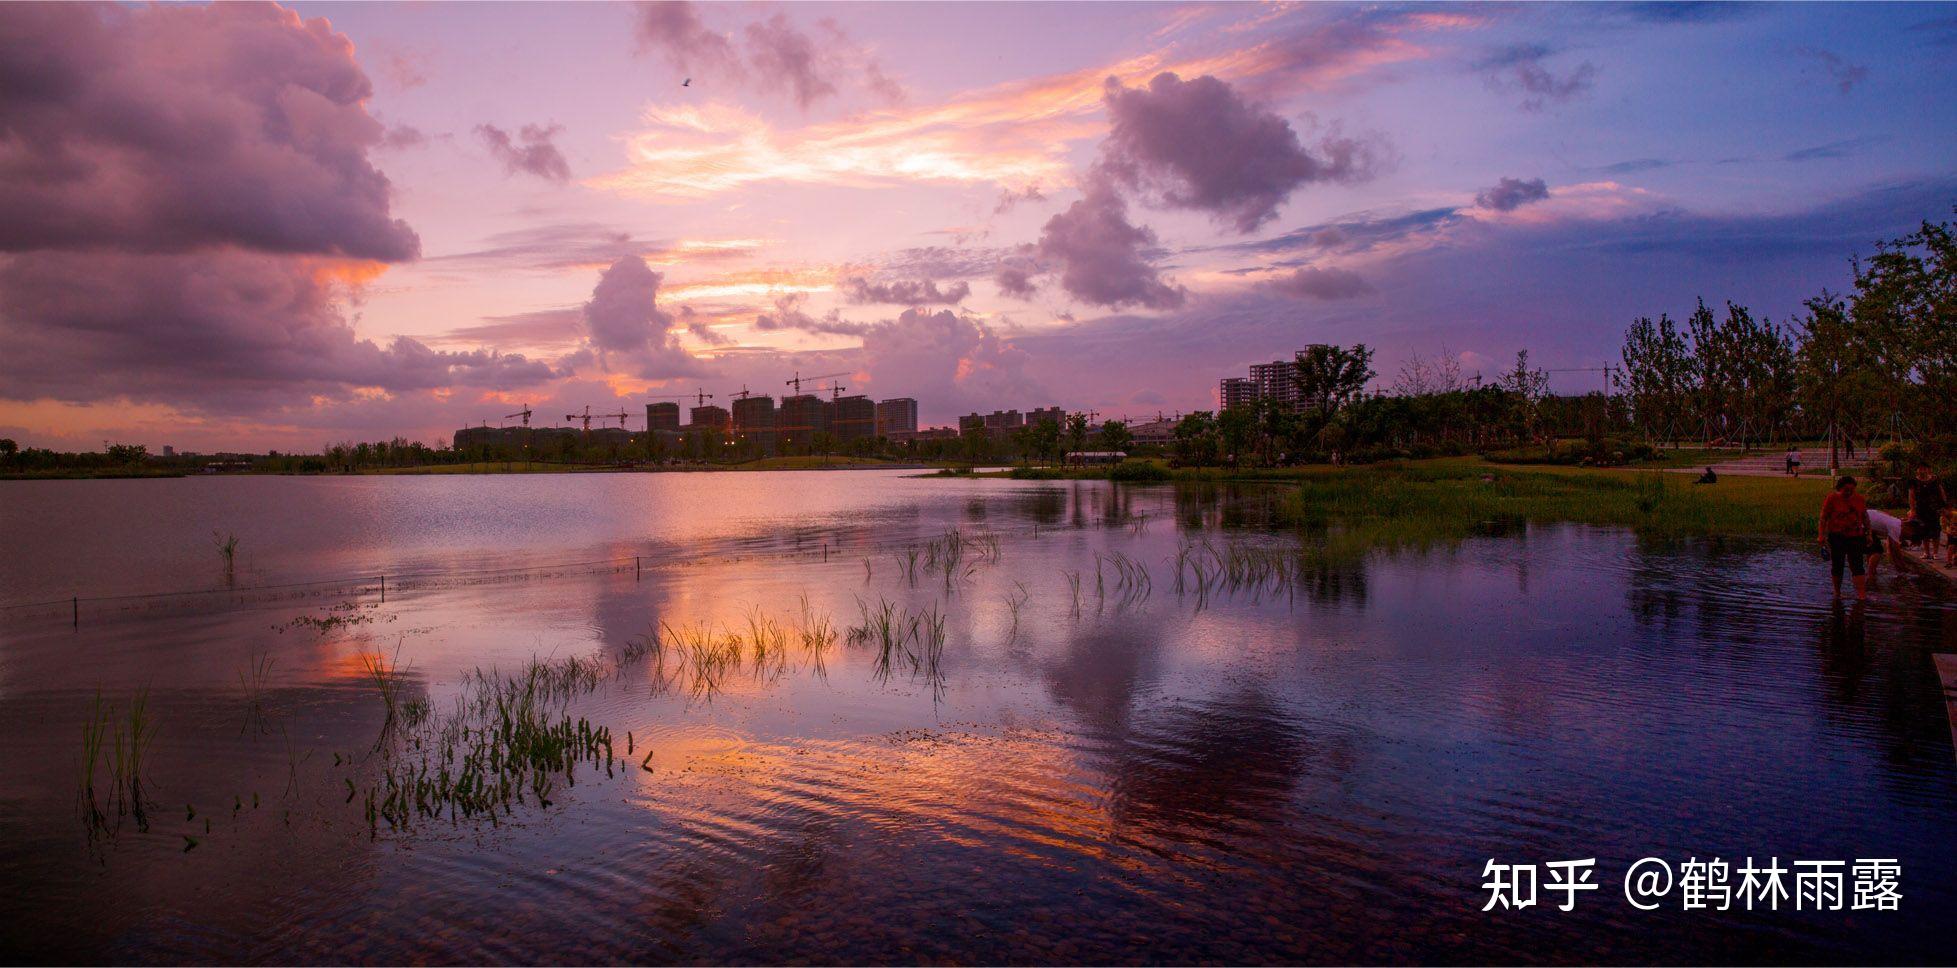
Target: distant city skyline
(250, 227)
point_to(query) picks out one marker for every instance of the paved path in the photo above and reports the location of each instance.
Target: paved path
(1763, 464)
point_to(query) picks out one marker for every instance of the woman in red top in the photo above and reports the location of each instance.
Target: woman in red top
(1845, 530)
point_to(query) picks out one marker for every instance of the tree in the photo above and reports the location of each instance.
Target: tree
(1832, 371)
(1236, 427)
(1526, 389)
(1276, 425)
(1905, 316)
(1195, 439)
(1077, 432)
(1115, 436)
(1041, 440)
(8, 448)
(1330, 376)
(1657, 376)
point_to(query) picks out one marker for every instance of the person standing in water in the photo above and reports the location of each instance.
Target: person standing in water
(1844, 529)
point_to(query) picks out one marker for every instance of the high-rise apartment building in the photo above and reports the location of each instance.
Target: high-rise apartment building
(897, 416)
(1235, 391)
(710, 417)
(853, 418)
(754, 422)
(663, 416)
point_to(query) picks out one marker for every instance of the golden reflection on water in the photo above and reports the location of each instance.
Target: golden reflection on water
(1301, 767)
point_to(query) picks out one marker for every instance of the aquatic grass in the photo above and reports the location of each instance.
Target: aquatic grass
(386, 675)
(227, 551)
(115, 745)
(252, 681)
(1014, 603)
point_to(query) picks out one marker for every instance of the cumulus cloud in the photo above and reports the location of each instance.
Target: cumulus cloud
(1510, 194)
(187, 208)
(1310, 282)
(1521, 70)
(904, 292)
(954, 361)
(1840, 72)
(1015, 281)
(213, 332)
(1102, 258)
(529, 151)
(773, 53)
(625, 329)
(165, 128)
(1200, 145)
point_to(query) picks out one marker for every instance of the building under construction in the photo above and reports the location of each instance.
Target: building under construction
(800, 418)
(663, 416)
(709, 417)
(853, 418)
(754, 423)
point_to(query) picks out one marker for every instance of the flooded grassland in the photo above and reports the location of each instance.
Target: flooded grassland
(865, 717)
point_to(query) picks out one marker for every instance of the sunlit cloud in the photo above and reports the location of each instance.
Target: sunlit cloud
(1012, 134)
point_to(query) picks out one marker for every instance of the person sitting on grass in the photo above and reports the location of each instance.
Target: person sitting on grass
(1844, 529)
(1707, 478)
(1927, 501)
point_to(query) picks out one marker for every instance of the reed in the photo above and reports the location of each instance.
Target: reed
(227, 552)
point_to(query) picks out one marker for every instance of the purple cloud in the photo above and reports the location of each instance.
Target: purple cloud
(1015, 281)
(774, 53)
(789, 314)
(1841, 73)
(1310, 282)
(1520, 70)
(1510, 194)
(1101, 256)
(674, 28)
(1199, 145)
(921, 292)
(956, 362)
(221, 331)
(529, 152)
(170, 128)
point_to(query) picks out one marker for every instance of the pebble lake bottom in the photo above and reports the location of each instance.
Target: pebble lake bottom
(1048, 722)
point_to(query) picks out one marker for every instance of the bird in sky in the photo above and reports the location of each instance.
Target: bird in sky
(687, 83)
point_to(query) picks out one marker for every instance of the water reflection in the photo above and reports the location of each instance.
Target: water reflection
(1308, 760)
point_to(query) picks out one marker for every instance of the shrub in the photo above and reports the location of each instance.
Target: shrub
(1138, 472)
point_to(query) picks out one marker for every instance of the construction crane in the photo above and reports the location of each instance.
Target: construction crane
(701, 397)
(585, 416)
(835, 390)
(744, 394)
(524, 413)
(621, 415)
(800, 379)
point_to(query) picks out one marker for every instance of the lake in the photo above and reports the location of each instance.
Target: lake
(880, 718)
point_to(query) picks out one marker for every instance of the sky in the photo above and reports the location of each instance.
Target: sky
(251, 227)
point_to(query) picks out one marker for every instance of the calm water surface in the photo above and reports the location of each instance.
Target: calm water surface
(1309, 768)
